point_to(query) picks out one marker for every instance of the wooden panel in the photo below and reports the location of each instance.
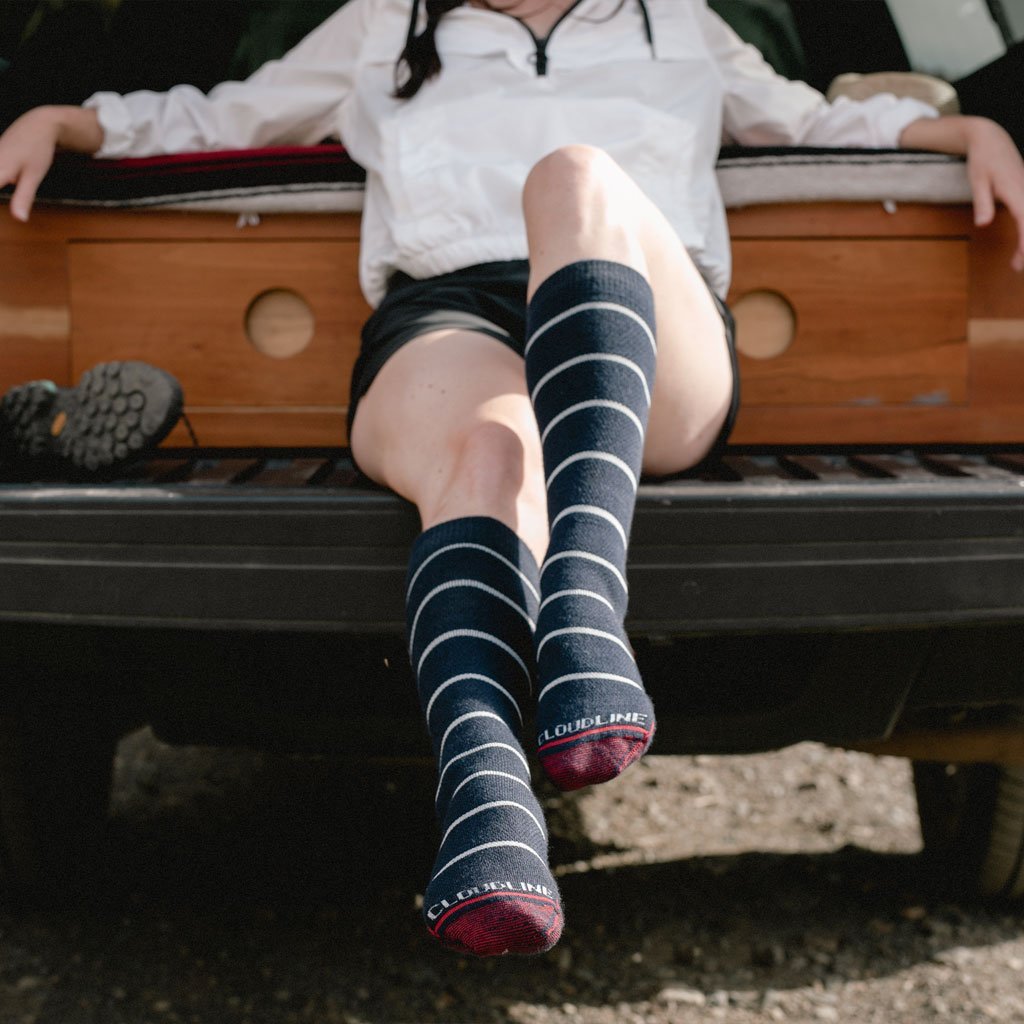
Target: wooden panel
(824, 424)
(997, 290)
(59, 223)
(997, 361)
(181, 305)
(849, 220)
(34, 313)
(258, 427)
(996, 330)
(878, 321)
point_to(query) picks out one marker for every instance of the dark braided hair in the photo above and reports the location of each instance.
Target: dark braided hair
(420, 53)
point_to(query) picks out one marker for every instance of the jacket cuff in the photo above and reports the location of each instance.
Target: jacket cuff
(890, 115)
(116, 123)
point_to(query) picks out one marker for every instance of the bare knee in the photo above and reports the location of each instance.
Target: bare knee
(573, 179)
(578, 203)
(492, 469)
(577, 167)
(488, 461)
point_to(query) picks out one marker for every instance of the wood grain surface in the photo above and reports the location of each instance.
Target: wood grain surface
(910, 324)
(182, 306)
(35, 313)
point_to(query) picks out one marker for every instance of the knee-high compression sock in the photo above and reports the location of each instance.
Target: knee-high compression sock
(590, 359)
(471, 605)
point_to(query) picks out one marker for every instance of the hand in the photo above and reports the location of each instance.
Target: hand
(996, 172)
(28, 145)
(994, 164)
(26, 153)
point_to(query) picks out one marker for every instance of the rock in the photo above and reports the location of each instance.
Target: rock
(747, 999)
(681, 995)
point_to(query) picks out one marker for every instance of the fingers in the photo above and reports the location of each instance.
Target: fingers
(1015, 203)
(1013, 199)
(25, 191)
(8, 171)
(984, 199)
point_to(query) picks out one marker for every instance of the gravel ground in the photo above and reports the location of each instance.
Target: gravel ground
(246, 888)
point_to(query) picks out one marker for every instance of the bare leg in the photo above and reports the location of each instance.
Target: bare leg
(447, 424)
(580, 205)
(603, 260)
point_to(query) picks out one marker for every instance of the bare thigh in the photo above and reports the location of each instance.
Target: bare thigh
(447, 424)
(694, 383)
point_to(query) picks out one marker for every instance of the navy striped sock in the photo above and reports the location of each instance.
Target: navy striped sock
(471, 605)
(590, 359)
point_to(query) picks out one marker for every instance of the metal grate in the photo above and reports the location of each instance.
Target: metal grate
(331, 469)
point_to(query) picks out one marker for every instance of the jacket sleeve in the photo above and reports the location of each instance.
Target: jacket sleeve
(291, 101)
(762, 108)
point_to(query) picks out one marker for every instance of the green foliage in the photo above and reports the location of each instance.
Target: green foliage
(768, 25)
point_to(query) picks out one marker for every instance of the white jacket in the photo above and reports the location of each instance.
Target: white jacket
(445, 169)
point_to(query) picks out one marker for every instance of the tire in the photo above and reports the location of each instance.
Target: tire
(972, 824)
(56, 773)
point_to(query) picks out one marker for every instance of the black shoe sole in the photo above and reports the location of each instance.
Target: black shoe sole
(118, 412)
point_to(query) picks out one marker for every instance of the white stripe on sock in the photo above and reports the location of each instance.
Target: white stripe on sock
(588, 556)
(465, 583)
(575, 593)
(489, 846)
(465, 718)
(611, 307)
(595, 403)
(573, 676)
(487, 807)
(487, 771)
(475, 547)
(480, 635)
(595, 456)
(592, 510)
(583, 631)
(476, 750)
(593, 357)
(479, 678)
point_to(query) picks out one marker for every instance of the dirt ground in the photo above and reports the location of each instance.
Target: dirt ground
(245, 888)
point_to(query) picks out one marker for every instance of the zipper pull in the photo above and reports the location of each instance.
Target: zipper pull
(541, 57)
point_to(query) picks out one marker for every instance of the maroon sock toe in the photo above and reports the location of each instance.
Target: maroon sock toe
(593, 760)
(501, 923)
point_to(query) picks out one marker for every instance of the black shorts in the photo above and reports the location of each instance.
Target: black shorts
(489, 298)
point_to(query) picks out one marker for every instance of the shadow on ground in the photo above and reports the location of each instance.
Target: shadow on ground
(257, 888)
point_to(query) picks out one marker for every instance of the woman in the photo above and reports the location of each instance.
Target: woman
(539, 182)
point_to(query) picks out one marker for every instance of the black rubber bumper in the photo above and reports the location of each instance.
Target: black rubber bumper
(257, 597)
(775, 542)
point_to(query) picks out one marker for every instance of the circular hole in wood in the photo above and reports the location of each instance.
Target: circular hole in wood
(279, 323)
(765, 324)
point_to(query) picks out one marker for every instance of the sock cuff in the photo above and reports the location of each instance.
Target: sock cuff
(484, 530)
(603, 279)
(473, 547)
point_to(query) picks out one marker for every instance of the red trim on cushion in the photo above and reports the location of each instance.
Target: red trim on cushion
(219, 156)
